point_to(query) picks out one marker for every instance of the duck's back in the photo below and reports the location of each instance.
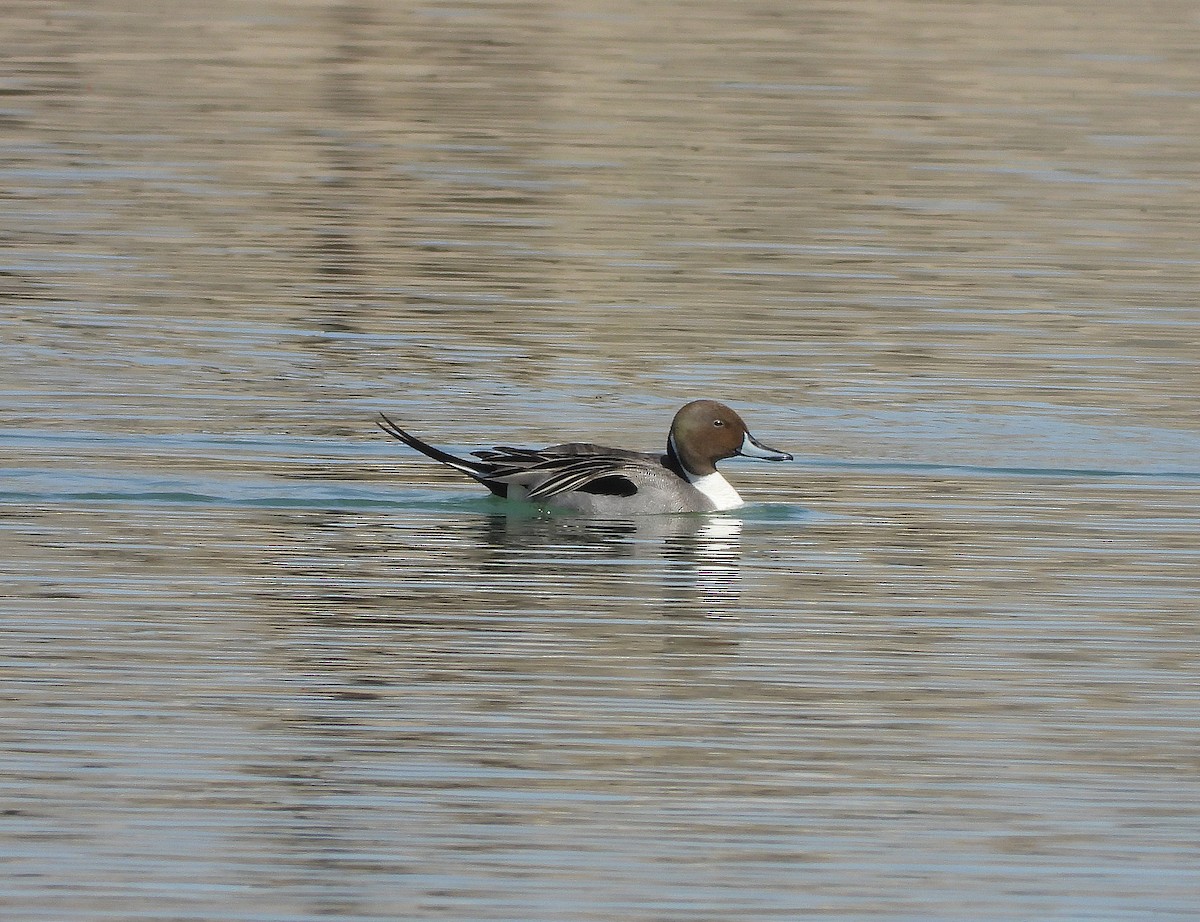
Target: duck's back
(588, 448)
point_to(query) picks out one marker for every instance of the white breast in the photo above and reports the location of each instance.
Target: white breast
(719, 490)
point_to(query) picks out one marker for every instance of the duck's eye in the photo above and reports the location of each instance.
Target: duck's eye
(718, 422)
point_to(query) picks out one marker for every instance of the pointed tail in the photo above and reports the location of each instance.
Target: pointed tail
(476, 469)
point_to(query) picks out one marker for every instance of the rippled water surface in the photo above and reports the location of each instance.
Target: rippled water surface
(261, 663)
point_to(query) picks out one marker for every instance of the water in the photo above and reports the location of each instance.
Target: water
(262, 663)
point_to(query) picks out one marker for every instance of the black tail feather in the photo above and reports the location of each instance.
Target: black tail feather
(476, 469)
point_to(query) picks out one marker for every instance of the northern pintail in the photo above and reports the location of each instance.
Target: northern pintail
(596, 480)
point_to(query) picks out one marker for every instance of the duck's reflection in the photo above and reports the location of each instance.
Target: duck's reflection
(690, 564)
(708, 564)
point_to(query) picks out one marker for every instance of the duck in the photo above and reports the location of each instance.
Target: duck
(591, 479)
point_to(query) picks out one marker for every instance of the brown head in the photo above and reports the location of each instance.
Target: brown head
(705, 432)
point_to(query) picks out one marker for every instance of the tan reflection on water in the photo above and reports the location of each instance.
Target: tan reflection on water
(861, 194)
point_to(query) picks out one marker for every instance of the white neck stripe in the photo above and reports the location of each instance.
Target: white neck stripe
(674, 449)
